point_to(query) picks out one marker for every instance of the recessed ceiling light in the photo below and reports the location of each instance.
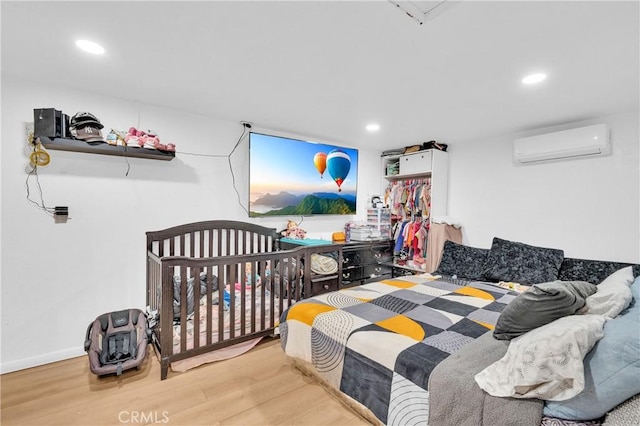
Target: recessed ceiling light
(534, 78)
(89, 46)
(373, 127)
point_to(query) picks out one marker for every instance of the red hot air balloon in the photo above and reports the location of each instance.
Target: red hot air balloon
(338, 164)
(320, 161)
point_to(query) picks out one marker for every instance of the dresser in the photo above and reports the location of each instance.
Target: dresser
(359, 262)
(314, 283)
(366, 261)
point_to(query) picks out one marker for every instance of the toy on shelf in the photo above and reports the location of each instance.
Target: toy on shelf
(293, 231)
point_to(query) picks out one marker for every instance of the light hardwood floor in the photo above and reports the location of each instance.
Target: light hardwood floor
(260, 387)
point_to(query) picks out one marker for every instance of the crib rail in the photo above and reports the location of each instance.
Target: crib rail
(217, 260)
(212, 238)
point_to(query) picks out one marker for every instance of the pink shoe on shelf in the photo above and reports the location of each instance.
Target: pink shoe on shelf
(131, 140)
(151, 142)
(167, 147)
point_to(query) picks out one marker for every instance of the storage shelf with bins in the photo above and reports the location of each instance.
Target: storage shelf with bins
(65, 144)
(380, 220)
(431, 164)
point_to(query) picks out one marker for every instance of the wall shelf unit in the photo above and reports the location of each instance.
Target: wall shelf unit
(432, 164)
(406, 176)
(65, 144)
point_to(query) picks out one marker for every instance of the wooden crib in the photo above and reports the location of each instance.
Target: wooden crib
(234, 278)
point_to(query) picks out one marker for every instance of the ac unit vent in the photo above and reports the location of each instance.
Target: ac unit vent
(581, 142)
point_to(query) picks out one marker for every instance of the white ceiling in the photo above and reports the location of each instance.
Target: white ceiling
(325, 69)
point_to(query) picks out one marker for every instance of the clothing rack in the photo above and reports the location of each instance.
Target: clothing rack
(410, 203)
(409, 198)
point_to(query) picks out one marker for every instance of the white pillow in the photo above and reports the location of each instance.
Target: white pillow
(546, 362)
(613, 295)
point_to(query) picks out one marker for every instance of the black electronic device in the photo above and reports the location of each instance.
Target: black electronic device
(50, 123)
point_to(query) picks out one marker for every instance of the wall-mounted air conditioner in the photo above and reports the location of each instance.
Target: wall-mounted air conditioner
(586, 141)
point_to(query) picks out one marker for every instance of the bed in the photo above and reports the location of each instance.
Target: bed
(215, 288)
(386, 349)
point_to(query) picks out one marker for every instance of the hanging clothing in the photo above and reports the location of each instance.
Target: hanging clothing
(399, 238)
(438, 234)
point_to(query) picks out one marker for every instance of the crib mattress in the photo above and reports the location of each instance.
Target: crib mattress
(200, 314)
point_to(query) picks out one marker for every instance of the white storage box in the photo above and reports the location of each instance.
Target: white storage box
(365, 234)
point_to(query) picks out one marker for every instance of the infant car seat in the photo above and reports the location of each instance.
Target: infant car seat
(117, 341)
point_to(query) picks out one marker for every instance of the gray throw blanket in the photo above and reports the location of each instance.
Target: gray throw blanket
(455, 399)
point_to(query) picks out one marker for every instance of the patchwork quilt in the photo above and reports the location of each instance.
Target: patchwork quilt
(379, 342)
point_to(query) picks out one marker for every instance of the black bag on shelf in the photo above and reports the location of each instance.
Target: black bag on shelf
(435, 145)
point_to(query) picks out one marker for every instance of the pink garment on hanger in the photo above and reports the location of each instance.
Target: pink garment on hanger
(438, 234)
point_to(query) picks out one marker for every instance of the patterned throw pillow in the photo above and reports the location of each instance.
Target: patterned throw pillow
(463, 261)
(545, 363)
(593, 271)
(522, 263)
(540, 305)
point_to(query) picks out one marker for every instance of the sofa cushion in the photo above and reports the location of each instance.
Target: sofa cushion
(521, 263)
(612, 368)
(463, 261)
(593, 271)
(540, 305)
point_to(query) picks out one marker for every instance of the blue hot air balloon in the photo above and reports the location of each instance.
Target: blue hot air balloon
(338, 165)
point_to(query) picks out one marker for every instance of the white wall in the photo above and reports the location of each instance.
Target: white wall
(588, 207)
(56, 278)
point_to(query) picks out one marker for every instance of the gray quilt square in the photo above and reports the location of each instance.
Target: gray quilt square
(448, 341)
(431, 316)
(370, 312)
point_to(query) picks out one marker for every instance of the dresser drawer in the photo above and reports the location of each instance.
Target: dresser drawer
(352, 274)
(376, 272)
(322, 284)
(351, 258)
(378, 255)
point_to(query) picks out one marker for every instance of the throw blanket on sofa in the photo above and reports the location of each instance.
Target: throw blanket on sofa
(452, 386)
(379, 342)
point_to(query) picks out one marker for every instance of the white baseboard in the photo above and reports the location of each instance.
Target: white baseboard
(21, 364)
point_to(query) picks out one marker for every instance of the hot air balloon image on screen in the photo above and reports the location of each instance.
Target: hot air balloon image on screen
(320, 161)
(338, 164)
(287, 177)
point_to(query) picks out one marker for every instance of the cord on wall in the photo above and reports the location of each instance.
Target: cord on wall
(61, 213)
(246, 125)
(39, 158)
(41, 205)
